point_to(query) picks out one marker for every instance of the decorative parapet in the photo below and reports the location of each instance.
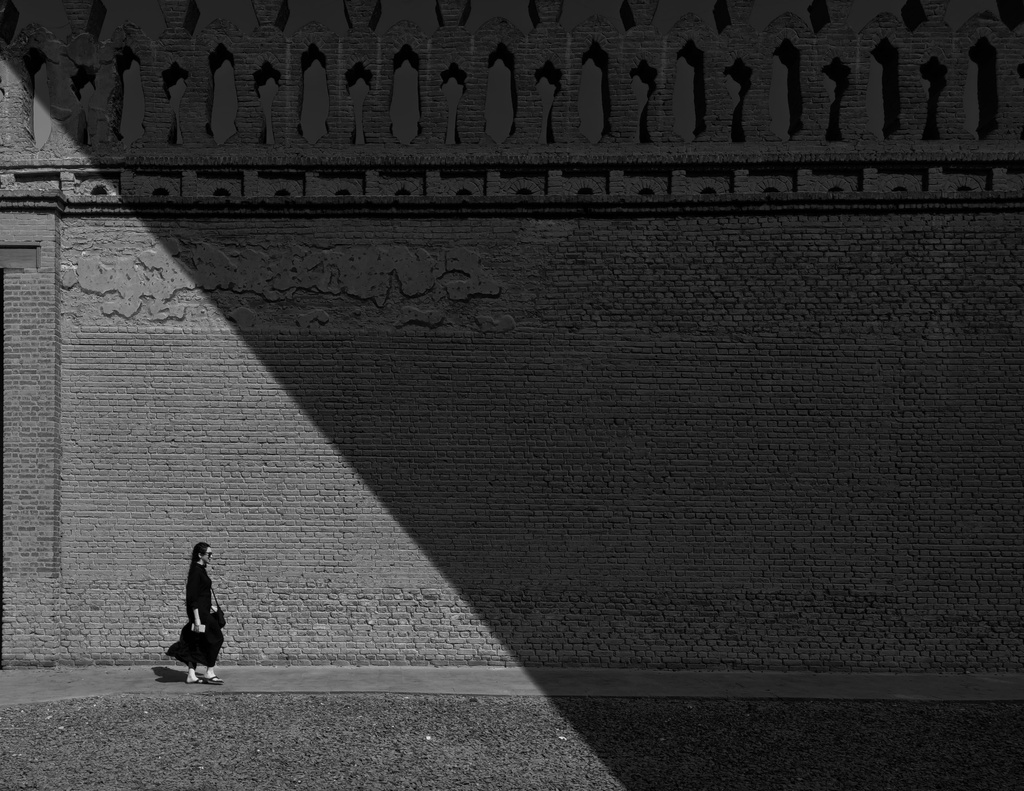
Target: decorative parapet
(504, 79)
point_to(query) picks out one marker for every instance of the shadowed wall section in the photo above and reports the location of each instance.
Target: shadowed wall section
(489, 447)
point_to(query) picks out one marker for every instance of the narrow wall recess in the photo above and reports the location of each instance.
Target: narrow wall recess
(268, 82)
(593, 100)
(83, 84)
(785, 100)
(934, 74)
(357, 79)
(315, 102)
(549, 83)
(133, 100)
(39, 79)
(689, 103)
(222, 104)
(405, 96)
(175, 84)
(643, 79)
(837, 77)
(500, 108)
(883, 103)
(738, 84)
(453, 86)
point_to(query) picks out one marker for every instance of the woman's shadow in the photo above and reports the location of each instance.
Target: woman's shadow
(168, 675)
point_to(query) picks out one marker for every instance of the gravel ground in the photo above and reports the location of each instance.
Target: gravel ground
(207, 742)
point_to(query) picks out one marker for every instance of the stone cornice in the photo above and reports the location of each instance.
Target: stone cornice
(738, 155)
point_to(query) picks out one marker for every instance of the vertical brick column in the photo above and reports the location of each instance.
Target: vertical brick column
(31, 551)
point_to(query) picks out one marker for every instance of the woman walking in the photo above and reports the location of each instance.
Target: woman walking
(201, 637)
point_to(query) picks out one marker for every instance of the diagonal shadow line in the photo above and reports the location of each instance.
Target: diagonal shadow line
(529, 611)
(570, 486)
(529, 445)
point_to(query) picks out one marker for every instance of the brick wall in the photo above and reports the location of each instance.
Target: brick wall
(748, 451)
(588, 403)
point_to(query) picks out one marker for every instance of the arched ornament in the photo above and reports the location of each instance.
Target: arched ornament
(813, 12)
(1010, 12)
(107, 16)
(617, 12)
(863, 11)
(713, 13)
(296, 14)
(521, 13)
(203, 13)
(425, 14)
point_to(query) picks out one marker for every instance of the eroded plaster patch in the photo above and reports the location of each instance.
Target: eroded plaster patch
(168, 280)
(147, 279)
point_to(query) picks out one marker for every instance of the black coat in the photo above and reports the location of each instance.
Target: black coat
(195, 648)
(198, 592)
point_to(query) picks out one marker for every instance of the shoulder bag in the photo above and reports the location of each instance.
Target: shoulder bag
(218, 616)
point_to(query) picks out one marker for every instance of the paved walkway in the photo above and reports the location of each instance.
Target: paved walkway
(21, 686)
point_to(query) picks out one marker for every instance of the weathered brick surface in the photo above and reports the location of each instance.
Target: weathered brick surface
(695, 430)
(743, 452)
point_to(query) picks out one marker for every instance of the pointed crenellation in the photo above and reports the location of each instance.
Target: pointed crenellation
(100, 94)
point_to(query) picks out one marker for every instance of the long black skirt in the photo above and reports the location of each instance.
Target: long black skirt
(195, 648)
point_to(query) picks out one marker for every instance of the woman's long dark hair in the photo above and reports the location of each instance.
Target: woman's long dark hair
(198, 550)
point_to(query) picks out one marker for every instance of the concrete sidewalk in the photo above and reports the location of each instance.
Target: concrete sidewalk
(24, 686)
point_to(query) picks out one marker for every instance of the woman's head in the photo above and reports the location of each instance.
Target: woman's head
(199, 551)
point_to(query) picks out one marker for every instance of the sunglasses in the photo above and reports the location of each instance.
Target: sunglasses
(205, 554)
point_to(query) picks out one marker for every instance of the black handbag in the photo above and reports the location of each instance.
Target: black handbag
(218, 616)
